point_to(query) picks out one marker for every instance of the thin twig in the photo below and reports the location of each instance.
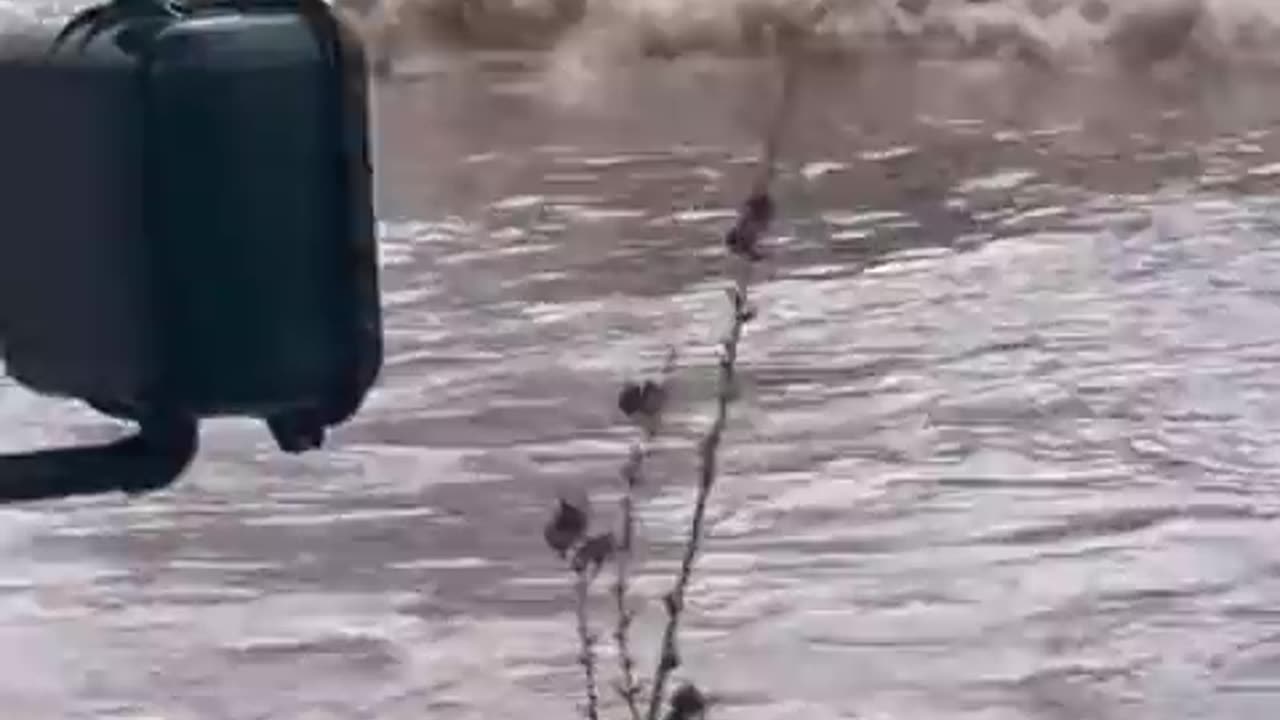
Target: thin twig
(633, 477)
(628, 685)
(772, 146)
(587, 642)
(709, 447)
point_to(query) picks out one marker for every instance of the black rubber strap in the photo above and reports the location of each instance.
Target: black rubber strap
(149, 460)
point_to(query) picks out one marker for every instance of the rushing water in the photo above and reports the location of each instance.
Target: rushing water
(1007, 447)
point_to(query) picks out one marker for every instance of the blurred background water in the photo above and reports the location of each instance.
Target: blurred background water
(1006, 451)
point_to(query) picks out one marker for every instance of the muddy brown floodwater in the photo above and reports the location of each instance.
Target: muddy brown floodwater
(1008, 449)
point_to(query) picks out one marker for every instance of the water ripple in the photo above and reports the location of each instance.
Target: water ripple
(1007, 445)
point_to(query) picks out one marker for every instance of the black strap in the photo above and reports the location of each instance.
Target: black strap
(149, 460)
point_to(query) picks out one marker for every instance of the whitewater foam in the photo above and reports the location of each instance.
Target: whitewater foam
(1043, 33)
(1054, 33)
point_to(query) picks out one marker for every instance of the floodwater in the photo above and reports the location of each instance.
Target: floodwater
(1006, 450)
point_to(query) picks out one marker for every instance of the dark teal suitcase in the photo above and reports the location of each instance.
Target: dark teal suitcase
(186, 218)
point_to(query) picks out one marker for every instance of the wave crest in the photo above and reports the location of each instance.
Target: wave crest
(1056, 33)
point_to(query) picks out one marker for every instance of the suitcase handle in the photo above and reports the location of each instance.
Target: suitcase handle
(149, 460)
(96, 18)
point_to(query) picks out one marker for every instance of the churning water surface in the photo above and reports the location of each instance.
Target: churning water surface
(1007, 448)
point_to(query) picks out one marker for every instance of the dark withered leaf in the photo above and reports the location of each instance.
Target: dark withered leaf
(595, 552)
(687, 703)
(569, 522)
(743, 240)
(631, 399)
(759, 209)
(642, 400)
(753, 222)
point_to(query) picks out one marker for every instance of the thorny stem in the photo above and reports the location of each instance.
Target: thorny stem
(709, 447)
(628, 686)
(668, 658)
(633, 477)
(587, 642)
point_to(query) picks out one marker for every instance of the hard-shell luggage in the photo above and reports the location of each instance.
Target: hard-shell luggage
(186, 216)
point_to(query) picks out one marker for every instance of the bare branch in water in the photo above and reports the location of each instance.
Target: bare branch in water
(644, 403)
(587, 645)
(566, 535)
(743, 240)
